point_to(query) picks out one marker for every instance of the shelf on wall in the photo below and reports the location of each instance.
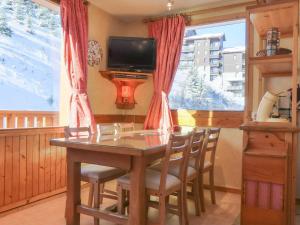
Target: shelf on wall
(112, 74)
(273, 66)
(278, 15)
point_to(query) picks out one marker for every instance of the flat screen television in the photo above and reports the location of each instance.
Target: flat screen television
(132, 54)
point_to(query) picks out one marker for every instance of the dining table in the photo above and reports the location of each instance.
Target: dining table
(131, 151)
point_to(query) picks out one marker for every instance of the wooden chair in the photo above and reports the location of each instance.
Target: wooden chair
(192, 169)
(108, 129)
(161, 183)
(207, 166)
(76, 132)
(96, 175)
(123, 127)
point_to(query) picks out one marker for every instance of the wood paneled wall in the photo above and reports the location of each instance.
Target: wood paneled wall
(223, 119)
(184, 117)
(30, 169)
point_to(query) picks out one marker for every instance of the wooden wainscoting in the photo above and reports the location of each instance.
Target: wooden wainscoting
(223, 119)
(30, 169)
(119, 118)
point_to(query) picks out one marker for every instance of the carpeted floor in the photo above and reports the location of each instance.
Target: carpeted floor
(237, 221)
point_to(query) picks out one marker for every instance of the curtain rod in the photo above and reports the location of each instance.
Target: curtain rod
(189, 14)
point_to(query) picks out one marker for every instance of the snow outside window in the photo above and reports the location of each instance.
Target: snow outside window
(30, 47)
(219, 85)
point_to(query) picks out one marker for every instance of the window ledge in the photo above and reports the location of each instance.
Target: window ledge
(223, 119)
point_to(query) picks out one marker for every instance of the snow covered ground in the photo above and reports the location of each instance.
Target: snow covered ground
(30, 57)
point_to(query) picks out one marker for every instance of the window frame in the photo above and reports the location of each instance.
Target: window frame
(214, 118)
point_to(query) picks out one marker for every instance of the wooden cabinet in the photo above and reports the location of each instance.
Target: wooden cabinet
(269, 148)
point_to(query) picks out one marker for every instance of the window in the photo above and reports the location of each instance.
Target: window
(30, 48)
(220, 86)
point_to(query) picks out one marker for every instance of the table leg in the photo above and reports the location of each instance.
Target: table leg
(73, 190)
(137, 201)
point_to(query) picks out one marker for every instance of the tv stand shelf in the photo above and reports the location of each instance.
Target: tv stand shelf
(111, 74)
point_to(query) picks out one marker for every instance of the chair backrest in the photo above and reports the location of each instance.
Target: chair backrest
(178, 145)
(108, 129)
(77, 132)
(196, 148)
(126, 127)
(210, 145)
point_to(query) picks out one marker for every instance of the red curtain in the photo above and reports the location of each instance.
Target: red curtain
(169, 33)
(75, 37)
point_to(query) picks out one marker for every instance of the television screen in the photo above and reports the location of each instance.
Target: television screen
(130, 53)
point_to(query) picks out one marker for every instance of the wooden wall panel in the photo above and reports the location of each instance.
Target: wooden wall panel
(52, 165)
(30, 169)
(8, 171)
(35, 165)
(42, 164)
(23, 166)
(47, 164)
(223, 119)
(2, 169)
(16, 169)
(118, 118)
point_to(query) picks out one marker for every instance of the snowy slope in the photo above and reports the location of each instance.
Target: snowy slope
(29, 61)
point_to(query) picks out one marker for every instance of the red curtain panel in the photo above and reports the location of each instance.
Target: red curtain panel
(75, 37)
(169, 33)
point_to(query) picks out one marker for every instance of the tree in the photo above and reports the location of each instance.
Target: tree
(53, 25)
(29, 28)
(8, 5)
(20, 11)
(44, 17)
(194, 86)
(4, 28)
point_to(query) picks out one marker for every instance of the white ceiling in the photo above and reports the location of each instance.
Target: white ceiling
(130, 9)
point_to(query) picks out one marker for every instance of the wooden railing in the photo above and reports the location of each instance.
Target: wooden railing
(30, 169)
(27, 119)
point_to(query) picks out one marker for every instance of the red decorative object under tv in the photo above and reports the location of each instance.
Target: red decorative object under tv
(126, 83)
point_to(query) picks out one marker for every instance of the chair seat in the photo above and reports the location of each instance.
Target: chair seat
(152, 180)
(175, 170)
(94, 173)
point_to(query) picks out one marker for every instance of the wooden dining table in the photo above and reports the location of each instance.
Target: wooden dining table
(130, 151)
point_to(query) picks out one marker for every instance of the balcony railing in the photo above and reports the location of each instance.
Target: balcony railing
(186, 57)
(214, 48)
(28, 119)
(188, 48)
(235, 88)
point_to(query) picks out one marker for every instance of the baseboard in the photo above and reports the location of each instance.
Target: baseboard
(31, 200)
(14, 207)
(225, 189)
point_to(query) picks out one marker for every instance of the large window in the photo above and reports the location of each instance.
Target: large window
(30, 43)
(211, 73)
